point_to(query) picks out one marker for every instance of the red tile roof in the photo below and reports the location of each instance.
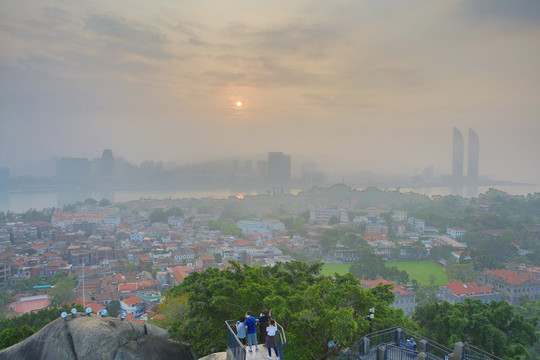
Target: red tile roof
(144, 284)
(513, 277)
(467, 288)
(127, 287)
(34, 303)
(373, 283)
(132, 300)
(242, 243)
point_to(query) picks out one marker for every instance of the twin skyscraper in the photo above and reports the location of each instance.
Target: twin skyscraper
(458, 157)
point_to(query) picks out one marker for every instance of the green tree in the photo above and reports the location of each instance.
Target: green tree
(158, 215)
(90, 201)
(12, 336)
(312, 308)
(175, 211)
(113, 308)
(329, 239)
(231, 229)
(5, 298)
(16, 329)
(333, 220)
(493, 327)
(147, 267)
(175, 309)
(461, 272)
(130, 267)
(371, 266)
(104, 203)
(62, 292)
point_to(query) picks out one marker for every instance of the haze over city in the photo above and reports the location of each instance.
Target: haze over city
(354, 85)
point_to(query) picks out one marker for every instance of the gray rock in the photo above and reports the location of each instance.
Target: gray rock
(89, 338)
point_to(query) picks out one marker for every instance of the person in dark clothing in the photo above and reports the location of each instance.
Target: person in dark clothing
(264, 321)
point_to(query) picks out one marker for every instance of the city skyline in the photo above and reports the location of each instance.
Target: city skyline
(355, 86)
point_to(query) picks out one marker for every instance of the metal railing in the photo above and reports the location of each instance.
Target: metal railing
(473, 353)
(400, 353)
(234, 346)
(394, 337)
(432, 348)
(238, 351)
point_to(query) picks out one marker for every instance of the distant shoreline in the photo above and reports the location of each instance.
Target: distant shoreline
(22, 201)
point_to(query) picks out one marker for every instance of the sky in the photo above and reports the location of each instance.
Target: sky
(352, 84)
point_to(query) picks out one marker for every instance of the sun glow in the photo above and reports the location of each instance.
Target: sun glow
(239, 104)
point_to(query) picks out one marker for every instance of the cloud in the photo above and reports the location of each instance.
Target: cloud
(522, 12)
(226, 77)
(120, 35)
(55, 13)
(308, 40)
(334, 101)
(122, 29)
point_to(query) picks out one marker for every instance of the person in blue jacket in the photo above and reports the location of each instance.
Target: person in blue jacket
(251, 327)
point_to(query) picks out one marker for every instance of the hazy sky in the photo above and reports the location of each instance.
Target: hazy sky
(356, 84)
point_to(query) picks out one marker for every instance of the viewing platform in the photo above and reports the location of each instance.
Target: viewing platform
(389, 344)
(237, 351)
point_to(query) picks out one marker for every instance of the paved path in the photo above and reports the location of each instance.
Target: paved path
(262, 354)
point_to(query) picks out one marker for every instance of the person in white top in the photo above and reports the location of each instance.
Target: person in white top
(271, 339)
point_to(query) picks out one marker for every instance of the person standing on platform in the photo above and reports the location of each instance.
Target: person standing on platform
(271, 339)
(251, 327)
(241, 330)
(264, 321)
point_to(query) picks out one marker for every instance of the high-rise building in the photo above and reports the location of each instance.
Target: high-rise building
(473, 154)
(107, 165)
(458, 153)
(279, 168)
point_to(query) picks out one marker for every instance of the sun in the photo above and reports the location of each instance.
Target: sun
(239, 104)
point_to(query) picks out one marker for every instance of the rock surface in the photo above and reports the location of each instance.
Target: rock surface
(215, 356)
(89, 338)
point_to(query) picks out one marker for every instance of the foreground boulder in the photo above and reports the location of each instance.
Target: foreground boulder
(89, 338)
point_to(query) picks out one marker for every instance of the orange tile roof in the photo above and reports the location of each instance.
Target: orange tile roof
(132, 300)
(513, 277)
(242, 243)
(467, 288)
(127, 287)
(144, 284)
(373, 283)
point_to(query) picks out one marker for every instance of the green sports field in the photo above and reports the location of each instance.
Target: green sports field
(330, 269)
(419, 270)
